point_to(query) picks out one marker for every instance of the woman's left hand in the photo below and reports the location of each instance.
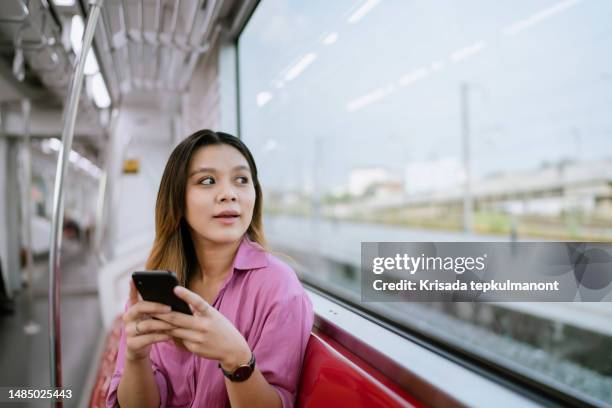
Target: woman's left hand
(207, 333)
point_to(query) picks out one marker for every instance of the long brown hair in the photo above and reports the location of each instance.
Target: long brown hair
(173, 247)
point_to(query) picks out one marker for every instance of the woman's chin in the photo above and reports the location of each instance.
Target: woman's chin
(226, 237)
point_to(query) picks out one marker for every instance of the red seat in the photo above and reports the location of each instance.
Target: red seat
(106, 366)
(331, 376)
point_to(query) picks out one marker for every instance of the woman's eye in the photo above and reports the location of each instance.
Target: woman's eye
(207, 180)
(242, 179)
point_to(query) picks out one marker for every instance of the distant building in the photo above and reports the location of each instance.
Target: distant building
(434, 175)
(386, 189)
(551, 189)
(548, 190)
(366, 179)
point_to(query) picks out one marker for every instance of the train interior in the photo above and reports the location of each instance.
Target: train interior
(370, 121)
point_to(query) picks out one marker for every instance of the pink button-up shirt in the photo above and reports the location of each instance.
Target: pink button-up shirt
(265, 301)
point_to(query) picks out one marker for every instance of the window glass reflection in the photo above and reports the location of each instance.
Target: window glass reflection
(380, 120)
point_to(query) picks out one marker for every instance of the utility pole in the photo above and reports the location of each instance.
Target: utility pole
(468, 200)
(317, 190)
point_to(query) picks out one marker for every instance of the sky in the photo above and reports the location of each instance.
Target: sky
(344, 84)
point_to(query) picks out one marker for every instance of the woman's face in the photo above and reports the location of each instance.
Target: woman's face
(220, 194)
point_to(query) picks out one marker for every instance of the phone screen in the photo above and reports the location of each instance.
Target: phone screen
(157, 286)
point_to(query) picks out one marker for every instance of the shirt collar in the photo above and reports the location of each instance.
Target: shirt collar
(250, 255)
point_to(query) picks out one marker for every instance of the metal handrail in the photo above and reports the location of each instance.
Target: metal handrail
(37, 17)
(70, 113)
(17, 19)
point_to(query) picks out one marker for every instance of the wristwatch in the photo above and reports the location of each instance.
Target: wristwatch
(241, 373)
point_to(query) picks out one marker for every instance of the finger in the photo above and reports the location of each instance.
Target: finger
(138, 342)
(151, 326)
(148, 308)
(191, 346)
(135, 328)
(181, 320)
(198, 304)
(133, 293)
(186, 334)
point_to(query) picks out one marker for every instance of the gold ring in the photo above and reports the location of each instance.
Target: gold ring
(138, 331)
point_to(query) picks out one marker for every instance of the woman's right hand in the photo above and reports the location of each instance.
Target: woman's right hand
(142, 331)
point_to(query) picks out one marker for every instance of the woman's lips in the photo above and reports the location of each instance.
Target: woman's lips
(227, 219)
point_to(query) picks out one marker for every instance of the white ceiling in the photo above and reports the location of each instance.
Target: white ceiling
(149, 74)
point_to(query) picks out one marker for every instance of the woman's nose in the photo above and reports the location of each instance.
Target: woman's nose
(228, 194)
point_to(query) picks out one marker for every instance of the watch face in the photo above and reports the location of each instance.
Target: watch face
(242, 373)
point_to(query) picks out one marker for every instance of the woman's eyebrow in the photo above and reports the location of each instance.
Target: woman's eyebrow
(213, 170)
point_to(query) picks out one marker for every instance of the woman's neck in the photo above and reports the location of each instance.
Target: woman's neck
(215, 260)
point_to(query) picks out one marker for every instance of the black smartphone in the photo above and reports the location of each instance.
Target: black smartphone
(157, 286)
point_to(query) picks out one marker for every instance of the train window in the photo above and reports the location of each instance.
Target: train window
(369, 118)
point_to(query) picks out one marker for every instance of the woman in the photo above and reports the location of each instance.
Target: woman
(251, 320)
